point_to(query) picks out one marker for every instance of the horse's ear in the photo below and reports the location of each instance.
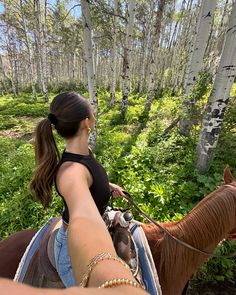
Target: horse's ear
(228, 176)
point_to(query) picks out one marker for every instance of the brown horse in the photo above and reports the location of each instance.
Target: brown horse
(203, 228)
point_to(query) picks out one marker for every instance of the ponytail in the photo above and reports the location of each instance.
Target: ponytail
(46, 158)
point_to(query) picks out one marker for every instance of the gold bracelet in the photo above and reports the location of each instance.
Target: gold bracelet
(94, 261)
(118, 282)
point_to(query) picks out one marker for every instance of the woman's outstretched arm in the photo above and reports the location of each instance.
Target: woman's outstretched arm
(87, 233)
(9, 287)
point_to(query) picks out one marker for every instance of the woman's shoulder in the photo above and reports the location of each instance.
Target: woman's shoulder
(72, 169)
(71, 172)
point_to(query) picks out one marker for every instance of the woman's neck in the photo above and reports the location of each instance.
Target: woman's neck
(78, 144)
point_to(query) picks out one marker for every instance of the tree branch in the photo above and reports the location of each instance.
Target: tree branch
(109, 12)
(76, 5)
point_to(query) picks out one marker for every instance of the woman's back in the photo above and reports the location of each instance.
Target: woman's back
(99, 189)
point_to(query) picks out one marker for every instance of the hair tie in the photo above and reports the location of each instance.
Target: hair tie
(52, 118)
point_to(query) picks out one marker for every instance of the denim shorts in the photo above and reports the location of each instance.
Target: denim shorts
(62, 258)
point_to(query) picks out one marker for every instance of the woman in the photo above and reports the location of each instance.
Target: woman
(79, 179)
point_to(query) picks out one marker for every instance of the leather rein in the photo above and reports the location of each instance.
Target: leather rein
(130, 200)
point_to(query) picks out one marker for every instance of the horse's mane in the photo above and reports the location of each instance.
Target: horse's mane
(203, 227)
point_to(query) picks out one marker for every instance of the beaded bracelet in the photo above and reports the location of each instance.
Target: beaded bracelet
(95, 260)
(118, 282)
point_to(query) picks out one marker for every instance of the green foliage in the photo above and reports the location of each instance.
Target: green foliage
(226, 148)
(199, 95)
(157, 168)
(14, 171)
(18, 210)
(7, 122)
(219, 269)
(26, 109)
(69, 85)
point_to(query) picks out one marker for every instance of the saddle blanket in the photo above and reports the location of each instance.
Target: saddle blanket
(30, 250)
(149, 273)
(148, 270)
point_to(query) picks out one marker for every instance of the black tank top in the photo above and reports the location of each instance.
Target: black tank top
(99, 190)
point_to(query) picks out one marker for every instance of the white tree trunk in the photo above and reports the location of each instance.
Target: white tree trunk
(199, 45)
(114, 57)
(44, 49)
(215, 47)
(95, 57)
(177, 49)
(12, 55)
(127, 51)
(146, 48)
(29, 49)
(185, 43)
(217, 103)
(11, 70)
(40, 32)
(88, 53)
(4, 76)
(155, 44)
(195, 63)
(143, 65)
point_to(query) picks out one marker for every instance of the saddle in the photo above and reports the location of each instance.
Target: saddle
(37, 266)
(41, 270)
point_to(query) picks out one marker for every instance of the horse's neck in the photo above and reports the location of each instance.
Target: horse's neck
(173, 263)
(202, 228)
(209, 222)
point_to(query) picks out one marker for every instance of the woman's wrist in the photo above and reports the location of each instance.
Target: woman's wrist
(104, 256)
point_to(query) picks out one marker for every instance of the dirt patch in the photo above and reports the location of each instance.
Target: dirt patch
(17, 135)
(18, 132)
(27, 136)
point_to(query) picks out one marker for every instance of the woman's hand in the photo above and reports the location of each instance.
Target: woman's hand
(116, 190)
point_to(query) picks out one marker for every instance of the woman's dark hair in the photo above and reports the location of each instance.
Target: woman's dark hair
(67, 110)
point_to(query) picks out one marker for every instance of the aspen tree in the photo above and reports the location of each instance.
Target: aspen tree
(155, 44)
(29, 50)
(114, 57)
(40, 8)
(88, 54)
(218, 99)
(127, 52)
(196, 58)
